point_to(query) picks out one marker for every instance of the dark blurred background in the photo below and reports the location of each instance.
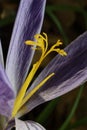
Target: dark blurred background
(66, 20)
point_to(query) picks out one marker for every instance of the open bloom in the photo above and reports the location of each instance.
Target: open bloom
(12, 75)
(60, 76)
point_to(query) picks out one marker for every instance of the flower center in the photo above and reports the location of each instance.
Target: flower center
(40, 43)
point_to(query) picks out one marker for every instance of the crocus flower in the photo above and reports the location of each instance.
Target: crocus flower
(64, 73)
(28, 23)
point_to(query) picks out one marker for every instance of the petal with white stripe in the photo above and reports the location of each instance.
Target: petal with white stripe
(28, 22)
(70, 72)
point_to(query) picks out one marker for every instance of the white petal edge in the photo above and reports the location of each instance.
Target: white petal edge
(1, 55)
(28, 125)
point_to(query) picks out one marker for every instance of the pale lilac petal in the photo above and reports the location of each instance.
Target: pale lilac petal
(1, 55)
(70, 72)
(28, 125)
(6, 94)
(28, 22)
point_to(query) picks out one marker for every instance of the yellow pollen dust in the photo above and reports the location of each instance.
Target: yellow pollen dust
(41, 43)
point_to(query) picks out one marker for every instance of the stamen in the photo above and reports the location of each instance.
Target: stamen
(42, 43)
(23, 89)
(34, 90)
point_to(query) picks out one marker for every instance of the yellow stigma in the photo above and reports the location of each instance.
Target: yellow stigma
(42, 43)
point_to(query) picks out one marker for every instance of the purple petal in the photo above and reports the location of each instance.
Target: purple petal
(6, 94)
(28, 23)
(1, 55)
(70, 72)
(28, 125)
